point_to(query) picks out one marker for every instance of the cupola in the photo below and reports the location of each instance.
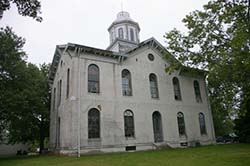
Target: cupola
(124, 33)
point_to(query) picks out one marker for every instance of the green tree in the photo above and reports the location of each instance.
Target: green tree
(218, 40)
(11, 63)
(31, 8)
(24, 93)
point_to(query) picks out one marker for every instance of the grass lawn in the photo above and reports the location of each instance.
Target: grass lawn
(219, 155)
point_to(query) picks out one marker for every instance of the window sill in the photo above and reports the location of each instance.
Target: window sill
(94, 139)
(183, 136)
(92, 93)
(127, 95)
(177, 100)
(130, 138)
(204, 135)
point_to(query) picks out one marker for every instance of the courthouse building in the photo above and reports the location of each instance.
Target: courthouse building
(121, 98)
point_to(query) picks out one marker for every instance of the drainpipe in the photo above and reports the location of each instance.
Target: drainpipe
(79, 106)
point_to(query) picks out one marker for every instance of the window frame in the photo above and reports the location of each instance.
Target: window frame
(120, 33)
(67, 83)
(151, 57)
(132, 34)
(153, 85)
(126, 83)
(129, 128)
(94, 79)
(197, 91)
(54, 98)
(94, 124)
(177, 89)
(202, 124)
(181, 124)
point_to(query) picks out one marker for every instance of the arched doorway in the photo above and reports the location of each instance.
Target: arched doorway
(157, 126)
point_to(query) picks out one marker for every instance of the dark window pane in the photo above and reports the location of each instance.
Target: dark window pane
(177, 90)
(151, 57)
(59, 92)
(181, 124)
(67, 86)
(197, 91)
(54, 100)
(157, 127)
(129, 124)
(93, 79)
(126, 83)
(120, 33)
(202, 123)
(93, 123)
(132, 37)
(153, 86)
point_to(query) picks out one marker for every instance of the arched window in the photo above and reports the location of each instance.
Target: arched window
(202, 124)
(153, 86)
(54, 100)
(67, 85)
(58, 133)
(197, 91)
(181, 124)
(120, 33)
(93, 123)
(157, 127)
(177, 90)
(93, 79)
(126, 83)
(59, 84)
(132, 35)
(129, 123)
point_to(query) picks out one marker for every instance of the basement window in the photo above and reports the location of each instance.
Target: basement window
(183, 143)
(130, 148)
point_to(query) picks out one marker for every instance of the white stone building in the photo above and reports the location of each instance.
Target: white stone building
(122, 99)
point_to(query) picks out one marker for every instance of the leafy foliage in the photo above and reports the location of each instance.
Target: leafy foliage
(29, 8)
(24, 93)
(218, 40)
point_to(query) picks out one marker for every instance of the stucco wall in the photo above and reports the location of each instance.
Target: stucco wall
(112, 104)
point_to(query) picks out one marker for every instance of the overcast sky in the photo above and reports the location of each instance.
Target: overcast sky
(85, 22)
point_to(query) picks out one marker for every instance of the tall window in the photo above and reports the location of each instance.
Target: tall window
(129, 123)
(132, 35)
(126, 83)
(181, 124)
(93, 79)
(197, 91)
(202, 124)
(153, 86)
(54, 99)
(67, 86)
(93, 123)
(58, 132)
(157, 127)
(59, 92)
(177, 90)
(120, 33)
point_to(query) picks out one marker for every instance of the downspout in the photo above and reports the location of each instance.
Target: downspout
(79, 106)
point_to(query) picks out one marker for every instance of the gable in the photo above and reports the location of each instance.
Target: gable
(152, 45)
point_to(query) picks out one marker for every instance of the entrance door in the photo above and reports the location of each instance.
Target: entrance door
(157, 126)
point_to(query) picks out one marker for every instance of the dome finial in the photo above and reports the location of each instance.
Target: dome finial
(122, 5)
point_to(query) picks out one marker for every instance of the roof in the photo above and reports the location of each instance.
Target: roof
(151, 42)
(60, 49)
(123, 17)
